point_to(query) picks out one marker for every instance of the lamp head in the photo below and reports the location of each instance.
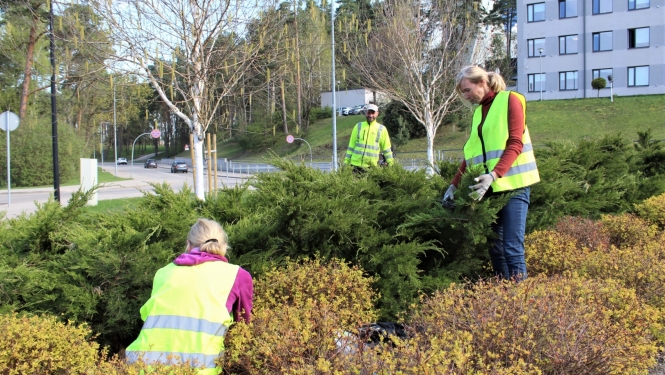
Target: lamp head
(540, 51)
(609, 78)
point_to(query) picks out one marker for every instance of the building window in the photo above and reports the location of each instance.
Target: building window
(602, 41)
(568, 80)
(533, 45)
(535, 12)
(602, 73)
(536, 81)
(638, 38)
(638, 76)
(602, 6)
(567, 44)
(638, 4)
(568, 8)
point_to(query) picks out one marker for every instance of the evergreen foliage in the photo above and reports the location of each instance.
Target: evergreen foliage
(591, 178)
(32, 155)
(98, 268)
(598, 84)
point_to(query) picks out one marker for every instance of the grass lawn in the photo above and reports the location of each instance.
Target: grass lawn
(550, 120)
(102, 177)
(113, 205)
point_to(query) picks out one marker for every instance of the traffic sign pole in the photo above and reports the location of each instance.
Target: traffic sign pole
(9, 121)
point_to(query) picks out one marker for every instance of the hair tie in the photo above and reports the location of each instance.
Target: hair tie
(211, 240)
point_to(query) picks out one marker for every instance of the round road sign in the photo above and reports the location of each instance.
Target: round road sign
(289, 138)
(155, 133)
(8, 120)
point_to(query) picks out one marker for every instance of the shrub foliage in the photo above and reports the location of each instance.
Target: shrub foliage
(588, 220)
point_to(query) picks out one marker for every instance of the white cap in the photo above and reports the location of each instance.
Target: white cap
(372, 107)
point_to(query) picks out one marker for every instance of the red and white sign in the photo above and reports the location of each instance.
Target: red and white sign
(186, 147)
(155, 133)
(289, 138)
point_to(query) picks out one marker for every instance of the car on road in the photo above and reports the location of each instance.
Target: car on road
(150, 163)
(359, 109)
(122, 161)
(179, 166)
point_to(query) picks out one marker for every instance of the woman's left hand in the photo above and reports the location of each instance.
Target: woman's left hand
(479, 189)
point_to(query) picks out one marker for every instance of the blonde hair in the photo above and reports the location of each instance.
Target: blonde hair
(208, 236)
(475, 74)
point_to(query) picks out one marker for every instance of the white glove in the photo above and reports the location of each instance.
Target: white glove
(449, 195)
(479, 189)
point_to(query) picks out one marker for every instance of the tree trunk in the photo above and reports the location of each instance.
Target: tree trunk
(27, 72)
(284, 120)
(298, 89)
(431, 131)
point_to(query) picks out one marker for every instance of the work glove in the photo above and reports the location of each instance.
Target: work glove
(450, 193)
(483, 183)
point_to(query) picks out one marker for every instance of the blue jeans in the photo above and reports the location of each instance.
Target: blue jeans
(507, 252)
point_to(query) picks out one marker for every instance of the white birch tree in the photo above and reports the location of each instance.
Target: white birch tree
(198, 48)
(412, 53)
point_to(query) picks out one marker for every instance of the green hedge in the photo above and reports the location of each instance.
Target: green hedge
(98, 268)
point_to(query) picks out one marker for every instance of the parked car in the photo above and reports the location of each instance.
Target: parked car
(179, 166)
(344, 111)
(359, 109)
(150, 163)
(122, 161)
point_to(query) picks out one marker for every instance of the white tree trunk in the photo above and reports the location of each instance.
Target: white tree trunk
(198, 162)
(431, 132)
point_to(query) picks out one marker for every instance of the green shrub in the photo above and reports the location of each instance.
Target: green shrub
(32, 155)
(598, 84)
(317, 113)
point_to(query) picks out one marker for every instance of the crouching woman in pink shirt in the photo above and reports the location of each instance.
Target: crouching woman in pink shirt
(194, 300)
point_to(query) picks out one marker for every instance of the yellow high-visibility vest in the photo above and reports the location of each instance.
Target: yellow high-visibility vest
(186, 317)
(366, 143)
(487, 148)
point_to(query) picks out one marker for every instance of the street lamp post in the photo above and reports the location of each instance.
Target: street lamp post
(540, 76)
(131, 167)
(115, 136)
(101, 143)
(609, 78)
(310, 151)
(334, 119)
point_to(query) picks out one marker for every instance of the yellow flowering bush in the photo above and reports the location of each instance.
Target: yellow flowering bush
(549, 325)
(44, 345)
(653, 210)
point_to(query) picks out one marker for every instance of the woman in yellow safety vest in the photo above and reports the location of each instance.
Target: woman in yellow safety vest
(194, 300)
(500, 141)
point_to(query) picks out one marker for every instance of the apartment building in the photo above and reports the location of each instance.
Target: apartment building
(565, 44)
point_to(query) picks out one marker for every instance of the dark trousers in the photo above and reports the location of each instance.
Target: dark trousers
(507, 252)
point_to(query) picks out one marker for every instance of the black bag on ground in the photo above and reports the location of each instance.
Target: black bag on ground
(375, 333)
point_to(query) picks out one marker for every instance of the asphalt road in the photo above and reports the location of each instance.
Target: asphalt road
(25, 200)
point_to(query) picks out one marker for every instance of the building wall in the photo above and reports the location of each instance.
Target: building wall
(350, 98)
(621, 59)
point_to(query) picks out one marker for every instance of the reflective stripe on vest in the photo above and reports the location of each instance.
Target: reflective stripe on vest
(175, 358)
(185, 323)
(186, 316)
(489, 149)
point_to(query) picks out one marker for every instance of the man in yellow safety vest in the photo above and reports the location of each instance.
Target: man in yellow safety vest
(369, 140)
